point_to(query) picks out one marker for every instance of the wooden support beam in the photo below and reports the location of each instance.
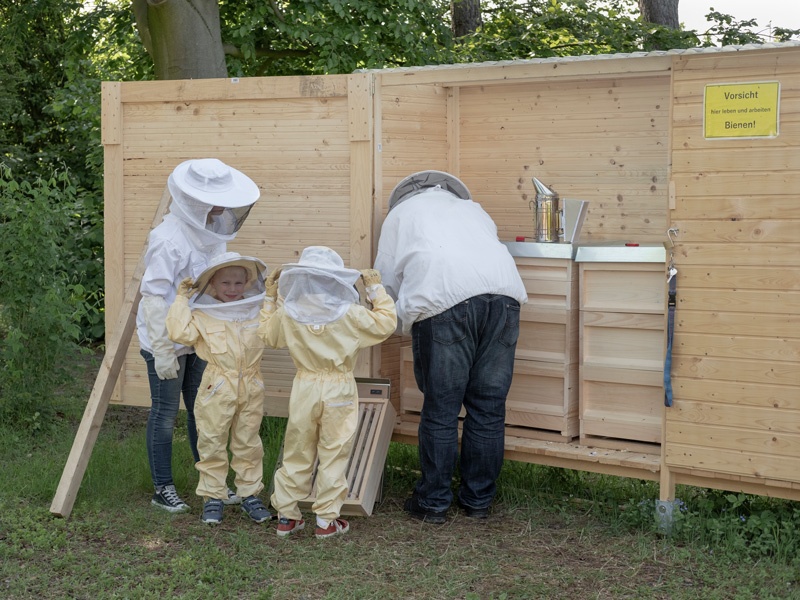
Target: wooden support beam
(116, 348)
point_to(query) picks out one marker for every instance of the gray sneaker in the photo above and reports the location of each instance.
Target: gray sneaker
(212, 511)
(232, 498)
(255, 509)
(166, 498)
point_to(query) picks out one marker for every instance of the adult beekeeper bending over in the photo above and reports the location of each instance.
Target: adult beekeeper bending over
(458, 294)
(324, 327)
(210, 201)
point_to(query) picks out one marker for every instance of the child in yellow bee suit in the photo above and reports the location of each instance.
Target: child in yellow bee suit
(324, 327)
(221, 322)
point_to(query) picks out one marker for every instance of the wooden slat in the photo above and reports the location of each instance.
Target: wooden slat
(502, 73)
(95, 411)
(748, 255)
(777, 302)
(755, 372)
(737, 461)
(768, 420)
(742, 278)
(741, 347)
(734, 393)
(737, 323)
(376, 419)
(236, 88)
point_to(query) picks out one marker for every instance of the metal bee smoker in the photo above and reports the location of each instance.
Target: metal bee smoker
(548, 214)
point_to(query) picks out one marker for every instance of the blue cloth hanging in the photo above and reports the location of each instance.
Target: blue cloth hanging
(671, 301)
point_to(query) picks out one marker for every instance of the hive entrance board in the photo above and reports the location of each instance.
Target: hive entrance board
(376, 420)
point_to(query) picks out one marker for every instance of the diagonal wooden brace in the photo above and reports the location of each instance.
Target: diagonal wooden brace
(116, 348)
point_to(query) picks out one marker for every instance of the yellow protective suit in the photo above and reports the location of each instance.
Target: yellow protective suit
(323, 405)
(230, 400)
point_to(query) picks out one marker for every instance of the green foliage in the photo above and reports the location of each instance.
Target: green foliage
(736, 526)
(55, 55)
(305, 37)
(739, 525)
(728, 31)
(535, 29)
(731, 526)
(39, 310)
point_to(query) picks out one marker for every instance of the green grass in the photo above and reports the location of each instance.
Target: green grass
(554, 533)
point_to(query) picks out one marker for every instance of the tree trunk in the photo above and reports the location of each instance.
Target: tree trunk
(182, 37)
(466, 16)
(660, 12)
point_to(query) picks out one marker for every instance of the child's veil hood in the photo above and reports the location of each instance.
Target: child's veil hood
(247, 307)
(318, 289)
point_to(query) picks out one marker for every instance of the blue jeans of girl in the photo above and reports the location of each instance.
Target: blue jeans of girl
(165, 398)
(464, 357)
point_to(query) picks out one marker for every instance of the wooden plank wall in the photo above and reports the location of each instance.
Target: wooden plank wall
(293, 136)
(736, 366)
(594, 130)
(623, 133)
(603, 140)
(598, 133)
(412, 135)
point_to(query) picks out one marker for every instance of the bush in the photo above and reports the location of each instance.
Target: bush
(39, 310)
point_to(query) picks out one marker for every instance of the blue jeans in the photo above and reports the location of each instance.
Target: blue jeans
(464, 356)
(165, 399)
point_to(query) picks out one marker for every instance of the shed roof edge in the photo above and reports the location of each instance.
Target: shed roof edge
(589, 57)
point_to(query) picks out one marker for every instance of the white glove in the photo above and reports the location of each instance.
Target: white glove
(154, 310)
(166, 364)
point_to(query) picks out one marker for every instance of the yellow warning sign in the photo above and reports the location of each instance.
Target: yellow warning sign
(741, 110)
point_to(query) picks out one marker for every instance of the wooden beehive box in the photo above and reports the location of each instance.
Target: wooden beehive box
(410, 395)
(622, 309)
(543, 399)
(376, 418)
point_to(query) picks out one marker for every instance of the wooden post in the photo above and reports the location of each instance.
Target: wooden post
(360, 91)
(95, 411)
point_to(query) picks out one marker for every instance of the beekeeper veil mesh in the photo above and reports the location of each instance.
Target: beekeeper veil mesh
(417, 183)
(211, 196)
(318, 289)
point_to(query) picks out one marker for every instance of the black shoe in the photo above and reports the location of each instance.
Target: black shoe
(473, 513)
(166, 498)
(433, 517)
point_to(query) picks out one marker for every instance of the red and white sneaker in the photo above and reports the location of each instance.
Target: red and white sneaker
(335, 527)
(289, 526)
